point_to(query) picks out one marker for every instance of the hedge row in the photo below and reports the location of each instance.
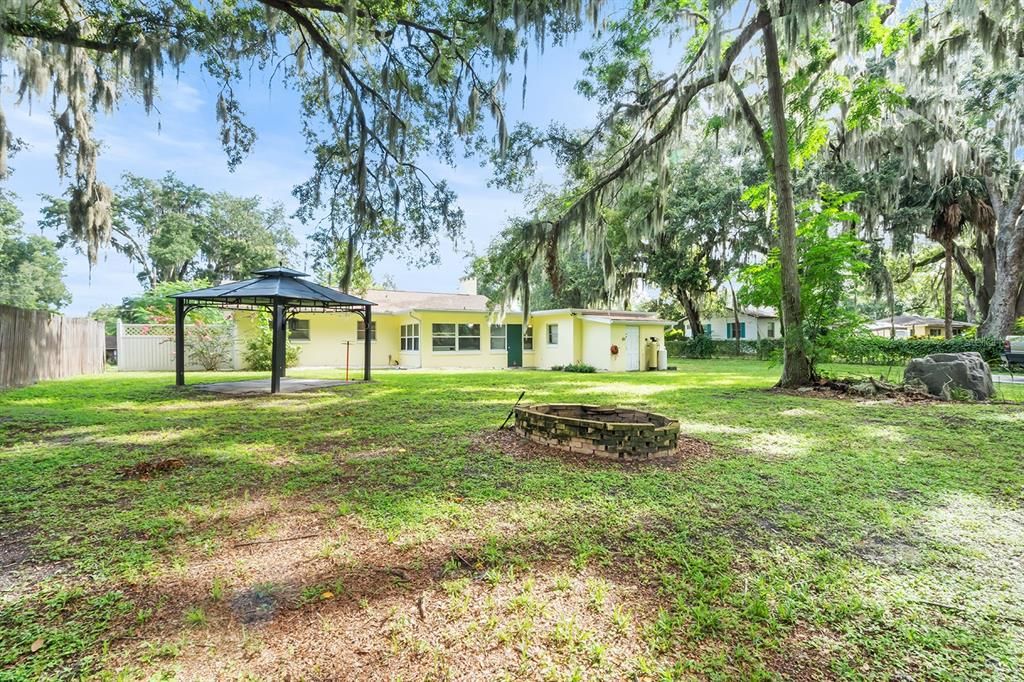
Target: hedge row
(866, 349)
(705, 347)
(878, 350)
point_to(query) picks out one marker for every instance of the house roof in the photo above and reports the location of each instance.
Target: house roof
(392, 301)
(915, 321)
(607, 315)
(766, 312)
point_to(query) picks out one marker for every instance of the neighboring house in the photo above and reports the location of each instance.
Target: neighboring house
(754, 324)
(415, 329)
(908, 326)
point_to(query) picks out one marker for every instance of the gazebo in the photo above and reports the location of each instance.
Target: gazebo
(280, 291)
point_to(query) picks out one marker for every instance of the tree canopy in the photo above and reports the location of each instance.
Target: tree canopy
(381, 84)
(172, 231)
(31, 270)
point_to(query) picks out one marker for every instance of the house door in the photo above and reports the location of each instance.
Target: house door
(632, 349)
(514, 344)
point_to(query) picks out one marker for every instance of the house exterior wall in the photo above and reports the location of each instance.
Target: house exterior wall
(755, 327)
(547, 355)
(579, 340)
(597, 343)
(328, 334)
(619, 363)
(484, 358)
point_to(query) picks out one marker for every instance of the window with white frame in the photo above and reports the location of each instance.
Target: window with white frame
(410, 337)
(552, 334)
(298, 330)
(498, 340)
(528, 338)
(361, 331)
(771, 330)
(455, 337)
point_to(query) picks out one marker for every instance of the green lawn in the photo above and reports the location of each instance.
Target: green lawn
(822, 538)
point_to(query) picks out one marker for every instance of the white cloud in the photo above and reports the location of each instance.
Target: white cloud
(181, 96)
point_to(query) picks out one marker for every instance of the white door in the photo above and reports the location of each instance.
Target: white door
(632, 349)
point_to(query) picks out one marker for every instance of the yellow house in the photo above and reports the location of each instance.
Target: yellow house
(417, 329)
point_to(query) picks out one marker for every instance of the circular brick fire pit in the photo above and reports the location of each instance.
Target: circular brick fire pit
(614, 432)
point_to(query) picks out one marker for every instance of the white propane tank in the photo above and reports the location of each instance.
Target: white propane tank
(662, 357)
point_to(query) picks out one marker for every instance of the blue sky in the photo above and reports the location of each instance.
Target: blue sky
(182, 136)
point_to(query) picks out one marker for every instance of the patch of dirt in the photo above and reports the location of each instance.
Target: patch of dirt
(806, 655)
(143, 471)
(14, 431)
(20, 569)
(352, 604)
(895, 552)
(689, 450)
(255, 605)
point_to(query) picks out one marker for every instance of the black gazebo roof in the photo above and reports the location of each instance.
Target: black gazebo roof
(282, 292)
(274, 286)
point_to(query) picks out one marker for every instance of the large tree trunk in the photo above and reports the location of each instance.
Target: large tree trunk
(947, 289)
(692, 313)
(797, 369)
(1002, 308)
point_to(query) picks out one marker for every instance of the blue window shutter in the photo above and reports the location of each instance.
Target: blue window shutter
(707, 329)
(728, 330)
(743, 330)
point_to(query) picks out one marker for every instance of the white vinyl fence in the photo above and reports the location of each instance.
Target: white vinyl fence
(150, 347)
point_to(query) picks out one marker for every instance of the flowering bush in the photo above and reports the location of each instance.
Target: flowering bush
(209, 346)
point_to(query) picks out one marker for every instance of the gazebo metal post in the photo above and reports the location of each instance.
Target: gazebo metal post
(368, 333)
(179, 342)
(277, 348)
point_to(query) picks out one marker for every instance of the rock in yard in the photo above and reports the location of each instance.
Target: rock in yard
(943, 373)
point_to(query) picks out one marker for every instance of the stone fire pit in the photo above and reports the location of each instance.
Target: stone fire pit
(613, 432)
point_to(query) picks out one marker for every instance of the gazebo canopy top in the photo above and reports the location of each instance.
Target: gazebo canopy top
(273, 286)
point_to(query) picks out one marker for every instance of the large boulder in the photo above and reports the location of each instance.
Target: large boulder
(942, 373)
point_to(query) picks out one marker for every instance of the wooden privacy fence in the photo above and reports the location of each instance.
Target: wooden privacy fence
(36, 345)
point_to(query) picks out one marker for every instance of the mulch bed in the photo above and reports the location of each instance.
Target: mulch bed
(689, 450)
(861, 390)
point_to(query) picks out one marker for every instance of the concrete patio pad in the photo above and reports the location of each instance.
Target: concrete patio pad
(263, 386)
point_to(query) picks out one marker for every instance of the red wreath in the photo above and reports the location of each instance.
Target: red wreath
(615, 349)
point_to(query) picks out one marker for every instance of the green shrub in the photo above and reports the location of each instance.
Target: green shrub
(258, 348)
(703, 346)
(577, 367)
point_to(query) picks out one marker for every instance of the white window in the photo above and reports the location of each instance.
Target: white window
(469, 337)
(410, 340)
(298, 330)
(552, 334)
(528, 338)
(498, 341)
(361, 331)
(451, 337)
